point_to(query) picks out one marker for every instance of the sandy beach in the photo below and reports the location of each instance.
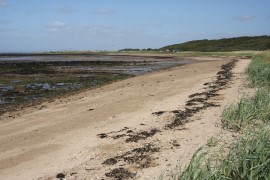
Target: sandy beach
(122, 126)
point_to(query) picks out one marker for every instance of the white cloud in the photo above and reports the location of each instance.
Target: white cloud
(57, 26)
(3, 3)
(243, 18)
(104, 11)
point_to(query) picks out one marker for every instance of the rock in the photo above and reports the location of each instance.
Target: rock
(38, 86)
(6, 88)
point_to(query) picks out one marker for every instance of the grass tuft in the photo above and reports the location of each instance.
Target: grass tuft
(247, 111)
(259, 70)
(248, 159)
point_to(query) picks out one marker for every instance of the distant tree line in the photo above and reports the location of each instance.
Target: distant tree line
(257, 43)
(131, 49)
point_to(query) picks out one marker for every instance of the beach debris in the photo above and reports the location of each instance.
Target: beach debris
(102, 135)
(141, 135)
(200, 101)
(110, 161)
(158, 113)
(120, 173)
(175, 143)
(60, 176)
(141, 157)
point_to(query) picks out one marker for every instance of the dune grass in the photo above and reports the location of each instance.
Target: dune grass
(249, 157)
(259, 70)
(247, 111)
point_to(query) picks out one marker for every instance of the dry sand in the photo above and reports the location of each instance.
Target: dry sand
(61, 137)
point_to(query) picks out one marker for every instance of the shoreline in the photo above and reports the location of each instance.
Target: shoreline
(67, 130)
(105, 66)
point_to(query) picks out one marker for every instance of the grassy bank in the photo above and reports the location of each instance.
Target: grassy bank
(249, 156)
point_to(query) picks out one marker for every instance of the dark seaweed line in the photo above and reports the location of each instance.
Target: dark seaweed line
(196, 103)
(140, 156)
(199, 101)
(132, 136)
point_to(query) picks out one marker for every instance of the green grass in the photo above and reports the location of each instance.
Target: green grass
(259, 70)
(247, 111)
(247, 159)
(212, 142)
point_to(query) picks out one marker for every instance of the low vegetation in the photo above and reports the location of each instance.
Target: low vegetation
(259, 70)
(247, 111)
(248, 157)
(257, 43)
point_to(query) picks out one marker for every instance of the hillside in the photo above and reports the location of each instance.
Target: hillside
(230, 44)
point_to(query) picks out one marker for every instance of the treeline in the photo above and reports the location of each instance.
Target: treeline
(131, 49)
(257, 43)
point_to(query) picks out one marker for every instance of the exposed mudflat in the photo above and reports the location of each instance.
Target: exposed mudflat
(32, 79)
(132, 129)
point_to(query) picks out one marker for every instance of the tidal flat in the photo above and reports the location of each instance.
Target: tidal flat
(27, 80)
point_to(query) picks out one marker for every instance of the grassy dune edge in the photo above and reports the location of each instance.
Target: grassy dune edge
(248, 156)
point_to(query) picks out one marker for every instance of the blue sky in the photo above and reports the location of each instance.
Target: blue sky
(51, 25)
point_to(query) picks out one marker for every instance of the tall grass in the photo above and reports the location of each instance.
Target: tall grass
(247, 111)
(248, 159)
(259, 70)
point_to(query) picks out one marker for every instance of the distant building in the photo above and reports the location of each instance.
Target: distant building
(176, 50)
